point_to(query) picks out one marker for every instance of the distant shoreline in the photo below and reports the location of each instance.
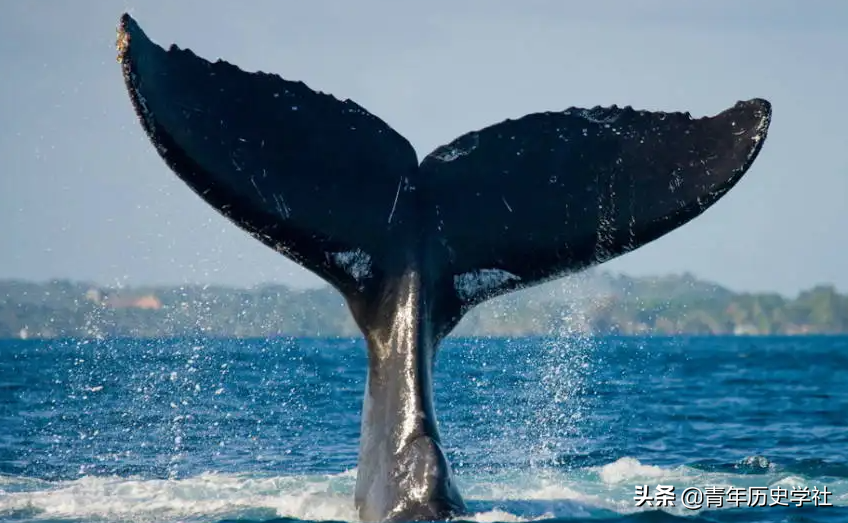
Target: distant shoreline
(593, 304)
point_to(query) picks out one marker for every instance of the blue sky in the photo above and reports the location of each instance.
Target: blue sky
(83, 195)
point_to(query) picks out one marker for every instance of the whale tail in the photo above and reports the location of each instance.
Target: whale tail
(337, 190)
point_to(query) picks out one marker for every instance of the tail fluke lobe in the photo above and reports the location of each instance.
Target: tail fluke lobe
(552, 193)
(283, 162)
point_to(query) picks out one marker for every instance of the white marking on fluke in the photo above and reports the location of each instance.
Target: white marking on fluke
(676, 181)
(481, 282)
(394, 204)
(599, 114)
(451, 153)
(759, 134)
(356, 263)
(253, 181)
(282, 208)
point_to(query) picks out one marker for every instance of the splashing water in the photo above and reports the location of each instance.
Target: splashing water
(565, 428)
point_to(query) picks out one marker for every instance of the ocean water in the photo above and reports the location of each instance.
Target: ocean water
(537, 429)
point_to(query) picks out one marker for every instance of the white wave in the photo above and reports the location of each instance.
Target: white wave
(314, 498)
(514, 496)
(627, 469)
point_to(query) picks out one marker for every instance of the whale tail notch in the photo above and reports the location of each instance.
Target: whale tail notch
(337, 190)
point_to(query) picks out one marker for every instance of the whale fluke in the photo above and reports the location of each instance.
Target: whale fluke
(411, 246)
(559, 191)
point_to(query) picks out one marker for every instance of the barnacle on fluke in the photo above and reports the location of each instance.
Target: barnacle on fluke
(122, 42)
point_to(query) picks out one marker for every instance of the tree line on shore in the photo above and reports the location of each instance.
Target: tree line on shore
(594, 303)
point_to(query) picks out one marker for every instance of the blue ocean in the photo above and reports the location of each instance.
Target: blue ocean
(563, 428)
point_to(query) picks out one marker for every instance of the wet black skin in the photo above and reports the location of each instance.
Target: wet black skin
(403, 474)
(525, 200)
